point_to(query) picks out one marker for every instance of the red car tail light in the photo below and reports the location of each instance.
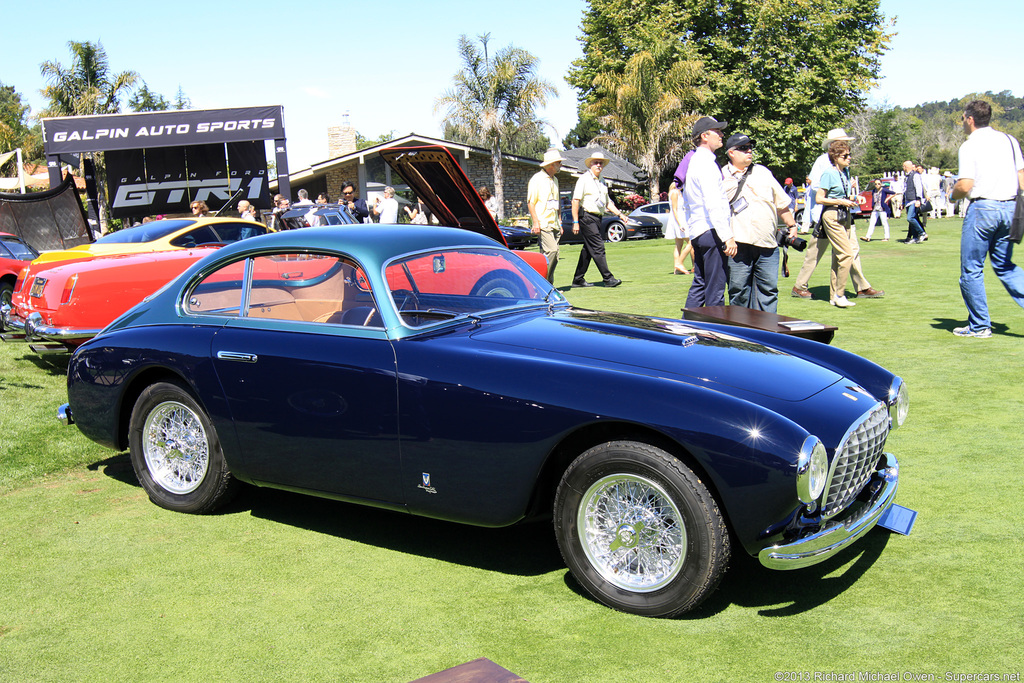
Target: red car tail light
(69, 289)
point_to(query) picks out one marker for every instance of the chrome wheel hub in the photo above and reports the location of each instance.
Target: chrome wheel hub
(632, 532)
(175, 447)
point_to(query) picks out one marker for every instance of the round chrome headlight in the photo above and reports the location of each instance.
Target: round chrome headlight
(899, 403)
(811, 470)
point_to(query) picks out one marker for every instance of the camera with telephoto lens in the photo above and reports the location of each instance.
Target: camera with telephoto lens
(784, 240)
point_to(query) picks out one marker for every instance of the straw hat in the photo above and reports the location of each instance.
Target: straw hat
(596, 156)
(836, 134)
(552, 157)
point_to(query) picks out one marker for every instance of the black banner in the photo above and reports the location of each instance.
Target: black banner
(71, 134)
(164, 180)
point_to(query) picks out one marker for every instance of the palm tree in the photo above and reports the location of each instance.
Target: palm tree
(649, 110)
(86, 86)
(492, 98)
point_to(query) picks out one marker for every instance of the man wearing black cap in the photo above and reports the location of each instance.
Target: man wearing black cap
(706, 212)
(757, 201)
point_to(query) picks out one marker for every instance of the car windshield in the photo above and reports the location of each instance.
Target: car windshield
(149, 232)
(14, 248)
(452, 283)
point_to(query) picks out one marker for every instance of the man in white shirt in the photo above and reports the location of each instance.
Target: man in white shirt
(706, 213)
(387, 208)
(991, 173)
(590, 202)
(542, 201)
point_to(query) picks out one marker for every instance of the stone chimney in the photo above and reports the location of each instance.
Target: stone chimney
(341, 139)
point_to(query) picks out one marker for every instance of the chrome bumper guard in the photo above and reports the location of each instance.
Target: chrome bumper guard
(33, 329)
(64, 415)
(837, 533)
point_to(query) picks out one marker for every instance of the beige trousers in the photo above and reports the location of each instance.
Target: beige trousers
(549, 247)
(816, 248)
(844, 252)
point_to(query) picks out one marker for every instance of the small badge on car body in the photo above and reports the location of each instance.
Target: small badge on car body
(426, 484)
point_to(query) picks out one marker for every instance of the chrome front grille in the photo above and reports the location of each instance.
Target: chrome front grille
(856, 460)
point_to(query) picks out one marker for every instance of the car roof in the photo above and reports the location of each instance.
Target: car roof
(370, 243)
(167, 227)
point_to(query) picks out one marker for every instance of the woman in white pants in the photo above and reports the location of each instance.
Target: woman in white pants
(880, 195)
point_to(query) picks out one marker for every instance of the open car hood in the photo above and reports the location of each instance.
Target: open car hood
(437, 179)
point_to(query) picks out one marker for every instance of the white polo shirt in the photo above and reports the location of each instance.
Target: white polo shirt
(705, 206)
(991, 159)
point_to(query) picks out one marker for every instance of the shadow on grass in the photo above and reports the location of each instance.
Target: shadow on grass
(948, 325)
(51, 364)
(530, 549)
(521, 550)
(781, 593)
(784, 593)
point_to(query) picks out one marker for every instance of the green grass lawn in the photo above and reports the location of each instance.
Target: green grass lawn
(98, 584)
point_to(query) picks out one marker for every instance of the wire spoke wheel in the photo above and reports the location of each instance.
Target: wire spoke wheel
(639, 530)
(175, 451)
(631, 531)
(175, 447)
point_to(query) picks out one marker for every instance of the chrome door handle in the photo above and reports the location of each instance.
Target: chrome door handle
(237, 356)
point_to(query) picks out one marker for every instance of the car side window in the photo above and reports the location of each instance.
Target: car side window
(220, 292)
(320, 288)
(232, 232)
(193, 238)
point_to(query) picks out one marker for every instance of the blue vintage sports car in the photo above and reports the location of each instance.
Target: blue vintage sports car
(433, 371)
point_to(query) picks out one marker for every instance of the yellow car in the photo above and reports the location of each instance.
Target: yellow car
(165, 235)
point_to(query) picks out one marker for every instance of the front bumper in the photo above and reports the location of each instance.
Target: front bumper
(837, 534)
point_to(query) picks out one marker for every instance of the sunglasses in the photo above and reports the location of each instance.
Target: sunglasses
(745, 148)
(844, 156)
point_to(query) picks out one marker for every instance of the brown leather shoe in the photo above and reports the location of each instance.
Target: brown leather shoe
(802, 293)
(870, 293)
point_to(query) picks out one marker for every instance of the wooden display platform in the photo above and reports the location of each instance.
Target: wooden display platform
(761, 320)
(480, 670)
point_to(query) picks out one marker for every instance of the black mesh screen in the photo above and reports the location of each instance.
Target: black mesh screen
(53, 219)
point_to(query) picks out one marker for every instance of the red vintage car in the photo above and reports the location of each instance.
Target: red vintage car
(14, 256)
(56, 306)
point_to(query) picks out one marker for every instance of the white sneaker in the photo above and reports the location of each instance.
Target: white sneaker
(842, 302)
(983, 333)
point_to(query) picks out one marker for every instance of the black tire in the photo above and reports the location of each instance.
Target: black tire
(176, 453)
(499, 283)
(669, 517)
(6, 292)
(616, 232)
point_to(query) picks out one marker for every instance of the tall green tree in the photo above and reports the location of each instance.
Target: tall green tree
(145, 99)
(87, 85)
(782, 71)
(649, 109)
(181, 100)
(491, 98)
(13, 119)
(887, 144)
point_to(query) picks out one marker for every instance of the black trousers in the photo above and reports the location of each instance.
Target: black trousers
(593, 247)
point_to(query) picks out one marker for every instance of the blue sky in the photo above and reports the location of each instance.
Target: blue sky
(385, 63)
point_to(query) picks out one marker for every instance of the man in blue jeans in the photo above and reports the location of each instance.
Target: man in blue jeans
(913, 193)
(991, 172)
(757, 202)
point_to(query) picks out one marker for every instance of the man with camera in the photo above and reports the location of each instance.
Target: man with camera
(757, 201)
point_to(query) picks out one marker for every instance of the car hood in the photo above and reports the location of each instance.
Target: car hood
(669, 348)
(437, 179)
